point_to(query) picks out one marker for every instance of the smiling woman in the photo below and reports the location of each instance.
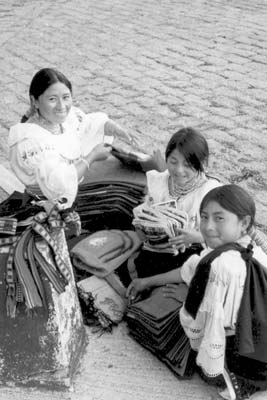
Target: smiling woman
(183, 183)
(55, 143)
(55, 103)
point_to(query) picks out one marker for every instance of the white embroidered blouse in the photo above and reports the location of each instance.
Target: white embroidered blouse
(217, 315)
(158, 190)
(38, 156)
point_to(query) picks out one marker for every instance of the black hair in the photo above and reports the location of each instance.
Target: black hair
(44, 78)
(232, 198)
(192, 145)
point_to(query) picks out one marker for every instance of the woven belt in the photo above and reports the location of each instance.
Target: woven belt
(10, 278)
(23, 281)
(50, 271)
(31, 294)
(8, 225)
(37, 227)
(33, 267)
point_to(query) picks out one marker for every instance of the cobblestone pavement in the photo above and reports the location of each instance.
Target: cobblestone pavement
(153, 66)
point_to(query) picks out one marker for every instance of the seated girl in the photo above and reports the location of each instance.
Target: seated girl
(217, 279)
(185, 182)
(56, 142)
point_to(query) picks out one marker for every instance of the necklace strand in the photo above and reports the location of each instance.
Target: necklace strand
(178, 191)
(55, 129)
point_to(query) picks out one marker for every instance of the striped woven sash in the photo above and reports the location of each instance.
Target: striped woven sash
(23, 281)
(8, 225)
(40, 229)
(32, 297)
(10, 275)
(49, 269)
(34, 270)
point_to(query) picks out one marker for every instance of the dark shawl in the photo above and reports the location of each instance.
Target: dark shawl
(251, 329)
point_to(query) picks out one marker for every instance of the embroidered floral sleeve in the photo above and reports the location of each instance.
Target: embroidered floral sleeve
(27, 153)
(35, 160)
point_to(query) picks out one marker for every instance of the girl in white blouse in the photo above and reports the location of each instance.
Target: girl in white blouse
(227, 214)
(185, 183)
(56, 142)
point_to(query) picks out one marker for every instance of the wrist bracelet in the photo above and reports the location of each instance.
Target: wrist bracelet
(86, 163)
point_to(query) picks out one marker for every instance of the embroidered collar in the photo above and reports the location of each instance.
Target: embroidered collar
(55, 129)
(177, 191)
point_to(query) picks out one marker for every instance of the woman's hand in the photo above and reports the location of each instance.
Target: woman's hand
(157, 161)
(175, 291)
(112, 128)
(185, 238)
(137, 286)
(99, 153)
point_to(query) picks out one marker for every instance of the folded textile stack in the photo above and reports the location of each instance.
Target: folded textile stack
(158, 223)
(102, 252)
(102, 295)
(107, 195)
(154, 322)
(101, 304)
(110, 188)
